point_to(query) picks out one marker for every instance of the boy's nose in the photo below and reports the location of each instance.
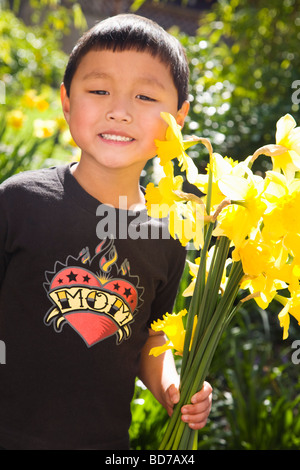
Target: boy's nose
(119, 113)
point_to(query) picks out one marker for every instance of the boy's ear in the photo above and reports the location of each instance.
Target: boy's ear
(182, 113)
(65, 101)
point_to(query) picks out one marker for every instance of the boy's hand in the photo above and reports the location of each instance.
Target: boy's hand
(194, 414)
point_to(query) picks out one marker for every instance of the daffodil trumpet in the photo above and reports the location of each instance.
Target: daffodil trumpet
(247, 231)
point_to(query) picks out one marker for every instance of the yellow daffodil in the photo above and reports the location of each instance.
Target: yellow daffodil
(41, 103)
(290, 212)
(166, 200)
(186, 223)
(282, 198)
(29, 99)
(174, 147)
(160, 199)
(44, 128)
(275, 186)
(287, 135)
(15, 119)
(259, 266)
(220, 166)
(285, 154)
(266, 286)
(281, 221)
(255, 254)
(265, 267)
(291, 307)
(63, 126)
(292, 243)
(237, 220)
(172, 326)
(32, 100)
(193, 271)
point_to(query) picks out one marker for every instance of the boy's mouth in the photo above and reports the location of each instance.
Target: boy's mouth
(116, 137)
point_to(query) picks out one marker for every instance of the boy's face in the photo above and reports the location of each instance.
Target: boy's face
(114, 107)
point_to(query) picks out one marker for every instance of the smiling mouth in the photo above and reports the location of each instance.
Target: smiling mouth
(116, 138)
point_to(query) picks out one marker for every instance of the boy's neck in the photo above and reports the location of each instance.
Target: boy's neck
(119, 188)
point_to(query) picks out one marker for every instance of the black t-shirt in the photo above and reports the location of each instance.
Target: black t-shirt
(77, 297)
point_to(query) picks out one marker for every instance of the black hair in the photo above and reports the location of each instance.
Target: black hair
(133, 32)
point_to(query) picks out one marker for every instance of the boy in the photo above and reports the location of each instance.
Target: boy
(76, 303)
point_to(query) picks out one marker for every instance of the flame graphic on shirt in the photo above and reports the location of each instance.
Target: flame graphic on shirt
(95, 304)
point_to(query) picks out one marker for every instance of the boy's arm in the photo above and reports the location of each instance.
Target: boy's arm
(160, 376)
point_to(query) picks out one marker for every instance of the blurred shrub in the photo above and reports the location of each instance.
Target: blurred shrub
(244, 61)
(258, 388)
(149, 419)
(33, 132)
(29, 59)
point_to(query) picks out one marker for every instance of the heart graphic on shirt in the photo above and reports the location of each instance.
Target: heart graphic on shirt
(95, 308)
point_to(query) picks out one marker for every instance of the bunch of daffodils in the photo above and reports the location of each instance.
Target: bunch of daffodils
(247, 229)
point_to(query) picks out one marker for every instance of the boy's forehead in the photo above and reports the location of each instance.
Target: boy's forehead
(95, 65)
(146, 79)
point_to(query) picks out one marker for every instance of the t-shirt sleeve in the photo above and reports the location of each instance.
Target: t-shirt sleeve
(3, 234)
(5, 213)
(166, 292)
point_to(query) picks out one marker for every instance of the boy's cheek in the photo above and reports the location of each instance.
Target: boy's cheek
(77, 132)
(157, 128)
(79, 120)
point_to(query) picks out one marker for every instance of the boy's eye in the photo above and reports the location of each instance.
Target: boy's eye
(98, 92)
(145, 98)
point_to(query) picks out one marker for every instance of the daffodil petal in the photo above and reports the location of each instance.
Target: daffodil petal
(158, 350)
(284, 320)
(234, 187)
(284, 126)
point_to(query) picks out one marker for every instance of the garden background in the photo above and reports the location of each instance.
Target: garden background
(245, 74)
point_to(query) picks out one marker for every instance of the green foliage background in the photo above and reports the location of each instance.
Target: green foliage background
(244, 61)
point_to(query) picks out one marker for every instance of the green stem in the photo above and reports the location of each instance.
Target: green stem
(209, 188)
(215, 328)
(187, 440)
(214, 280)
(209, 300)
(177, 434)
(197, 295)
